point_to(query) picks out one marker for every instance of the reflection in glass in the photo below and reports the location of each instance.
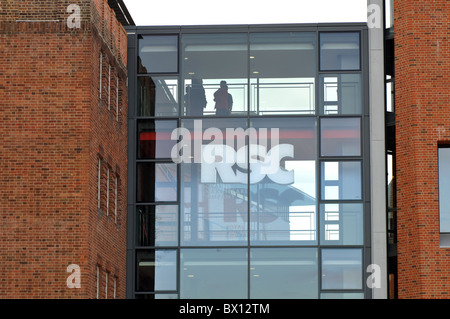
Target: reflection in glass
(340, 136)
(214, 194)
(157, 225)
(341, 224)
(209, 59)
(213, 273)
(158, 96)
(339, 51)
(157, 270)
(283, 273)
(158, 54)
(282, 71)
(156, 182)
(340, 94)
(283, 198)
(154, 139)
(342, 269)
(444, 189)
(341, 180)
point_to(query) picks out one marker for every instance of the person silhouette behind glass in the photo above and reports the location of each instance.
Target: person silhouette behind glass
(195, 98)
(223, 99)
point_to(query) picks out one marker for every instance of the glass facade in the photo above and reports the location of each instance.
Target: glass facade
(250, 163)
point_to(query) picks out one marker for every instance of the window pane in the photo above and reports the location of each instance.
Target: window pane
(283, 183)
(156, 182)
(342, 295)
(339, 51)
(341, 180)
(444, 189)
(158, 54)
(213, 273)
(341, 224)
(155, 138)
(342, 269)
(214, 193)
(340, 94)
(340, 136)
(158, 96)
(283, 273)
(282, 71)
(157, 225)
(156, 270)
(209, 59)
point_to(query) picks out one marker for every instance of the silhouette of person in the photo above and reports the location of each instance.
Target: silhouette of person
(223, 99)
(195, 98)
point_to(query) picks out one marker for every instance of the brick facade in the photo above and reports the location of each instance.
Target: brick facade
(55, 128)
(422, 70)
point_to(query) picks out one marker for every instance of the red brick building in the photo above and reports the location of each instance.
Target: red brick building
(63, 160)
(422, 76)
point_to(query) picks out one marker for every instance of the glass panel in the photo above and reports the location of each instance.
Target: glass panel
(155, 138)
(157, 270)
(214, 189)
(444, 190)
(158, 54)
(340, 94)
(340, 136)
(217, 65)
(342, 295)
(283, 273)
(213, 273)
(158, 96)
(157, 225)
(282, 71)
(283, 182)
(341, 180)
(341, 224)
(342, 269)
(156, 182)
(339, 51)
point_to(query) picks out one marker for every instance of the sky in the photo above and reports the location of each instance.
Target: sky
(209, 12)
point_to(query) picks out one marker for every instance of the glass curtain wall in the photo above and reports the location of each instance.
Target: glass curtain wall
(249, 162)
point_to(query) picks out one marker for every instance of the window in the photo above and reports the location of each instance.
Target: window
(97, 283)
(107, 189)
(109, 86)
(157, 182)
(114, 287)
(99, 182)
(101, 74)
(106, 284)
(158, 96)
(209, 59)
(444, 189)
(340, 136)
(158, 54)
(116, 192)
(155, 139)
(213, 273)
(279, 83)
(157, 225)
(341, 180)
(339, 51)
(342, 269)
(283, 273)
(156, 270)
(117, 97)
(341, 224)
(340, 94)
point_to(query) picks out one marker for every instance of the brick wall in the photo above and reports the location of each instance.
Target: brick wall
(422, 68)
(53, 129)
